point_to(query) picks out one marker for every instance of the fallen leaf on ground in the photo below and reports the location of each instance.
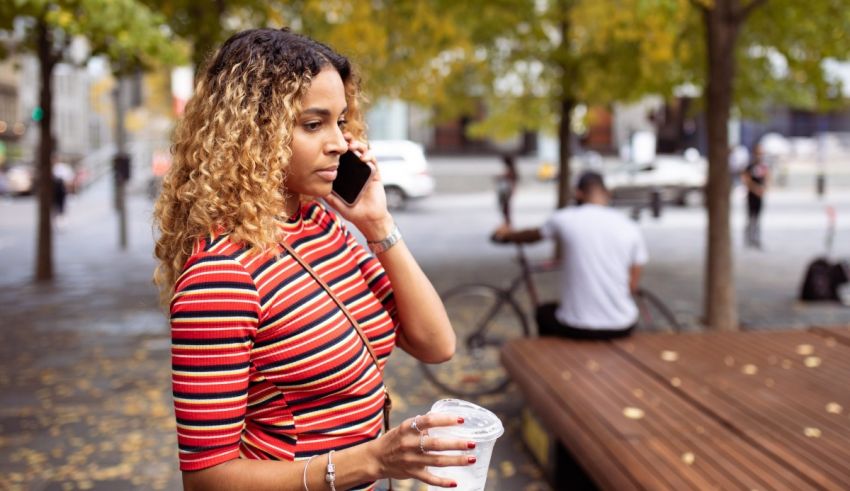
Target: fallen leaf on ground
(507, 468)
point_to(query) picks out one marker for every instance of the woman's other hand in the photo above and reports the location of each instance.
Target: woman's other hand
(399, 453)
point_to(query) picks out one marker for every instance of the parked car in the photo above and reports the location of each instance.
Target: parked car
(676, 180)
(20, 179)
(671, 179)
(404, 171)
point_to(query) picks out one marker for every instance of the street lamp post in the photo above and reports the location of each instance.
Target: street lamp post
(121, 163)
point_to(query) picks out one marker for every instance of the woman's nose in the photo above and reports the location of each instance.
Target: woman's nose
(338, 143)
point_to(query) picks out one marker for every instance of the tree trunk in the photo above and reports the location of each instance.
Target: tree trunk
(721, 35)
(44, 172)
(567, 104)
(564, 153)
(207, 39)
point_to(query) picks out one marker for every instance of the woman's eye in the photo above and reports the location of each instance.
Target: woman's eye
(312, 125)
(341, 123)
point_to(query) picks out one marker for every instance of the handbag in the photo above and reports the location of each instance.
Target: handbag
(388, 403)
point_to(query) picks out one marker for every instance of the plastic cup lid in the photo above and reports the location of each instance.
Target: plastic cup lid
(479, 424)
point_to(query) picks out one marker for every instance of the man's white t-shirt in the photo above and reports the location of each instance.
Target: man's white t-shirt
(599, 245)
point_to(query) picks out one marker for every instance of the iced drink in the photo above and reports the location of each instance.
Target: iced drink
(480, 426)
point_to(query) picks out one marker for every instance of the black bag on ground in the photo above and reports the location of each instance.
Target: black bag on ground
(822, 280)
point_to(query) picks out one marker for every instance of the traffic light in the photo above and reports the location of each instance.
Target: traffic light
(37, 114)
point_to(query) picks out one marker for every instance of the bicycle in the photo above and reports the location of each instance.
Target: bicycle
(497, 317)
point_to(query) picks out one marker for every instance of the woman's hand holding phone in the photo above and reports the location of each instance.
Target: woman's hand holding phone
(369, 211)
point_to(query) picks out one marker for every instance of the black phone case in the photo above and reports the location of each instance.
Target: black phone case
(352, 176)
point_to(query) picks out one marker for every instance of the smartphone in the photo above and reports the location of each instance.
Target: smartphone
(351, 178)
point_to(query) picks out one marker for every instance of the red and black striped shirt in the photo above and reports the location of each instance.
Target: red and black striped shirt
(265, 365)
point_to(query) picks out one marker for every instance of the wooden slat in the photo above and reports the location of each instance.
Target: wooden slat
(585, 410)
(709, 368)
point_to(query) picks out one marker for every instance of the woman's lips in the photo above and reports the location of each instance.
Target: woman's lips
(328, 174)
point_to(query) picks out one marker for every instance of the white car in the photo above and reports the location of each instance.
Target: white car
(678, 180)
(404, 170)
(20, 179)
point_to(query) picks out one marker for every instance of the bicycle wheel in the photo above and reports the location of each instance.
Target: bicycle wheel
(483, 318)
(654, 315)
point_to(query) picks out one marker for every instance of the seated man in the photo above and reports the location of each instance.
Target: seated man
(603, 252)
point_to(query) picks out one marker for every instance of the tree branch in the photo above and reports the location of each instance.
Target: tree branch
(699, 5)
(745, 11)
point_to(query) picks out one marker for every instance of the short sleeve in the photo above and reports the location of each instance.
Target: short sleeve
(640, 254)
(374, 275)
(214, 316)
(549, 229)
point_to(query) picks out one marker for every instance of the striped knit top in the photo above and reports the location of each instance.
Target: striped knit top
(264, 364)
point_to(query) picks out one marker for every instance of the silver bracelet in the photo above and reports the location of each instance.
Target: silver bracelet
(305, 472)
(330, 477)
(384, 245)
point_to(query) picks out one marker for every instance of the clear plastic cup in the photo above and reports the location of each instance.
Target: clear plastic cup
(480, 426)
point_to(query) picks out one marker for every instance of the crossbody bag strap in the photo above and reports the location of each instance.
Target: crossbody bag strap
(336, 300)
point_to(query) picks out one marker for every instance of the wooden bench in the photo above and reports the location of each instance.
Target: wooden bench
(755, 410)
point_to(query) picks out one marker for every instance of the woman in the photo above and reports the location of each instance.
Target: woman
(273, 387)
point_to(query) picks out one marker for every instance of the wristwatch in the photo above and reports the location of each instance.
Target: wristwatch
(385, 244)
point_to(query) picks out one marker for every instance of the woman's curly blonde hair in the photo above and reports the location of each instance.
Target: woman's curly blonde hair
(231, 149)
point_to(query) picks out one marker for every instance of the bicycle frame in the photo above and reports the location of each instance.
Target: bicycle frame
(504, 195)
(525, 277)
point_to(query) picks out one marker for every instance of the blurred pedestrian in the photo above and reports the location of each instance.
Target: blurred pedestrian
(281, 322)
(603, 255)
(64, 171)
(755, 177)
(60, 191)
(506, 185)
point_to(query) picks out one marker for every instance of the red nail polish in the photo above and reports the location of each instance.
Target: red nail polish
(472, 460)
(453, 485)
(470, 444)
(460, 421)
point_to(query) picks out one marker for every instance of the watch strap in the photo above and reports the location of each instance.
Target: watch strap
(384, 245)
